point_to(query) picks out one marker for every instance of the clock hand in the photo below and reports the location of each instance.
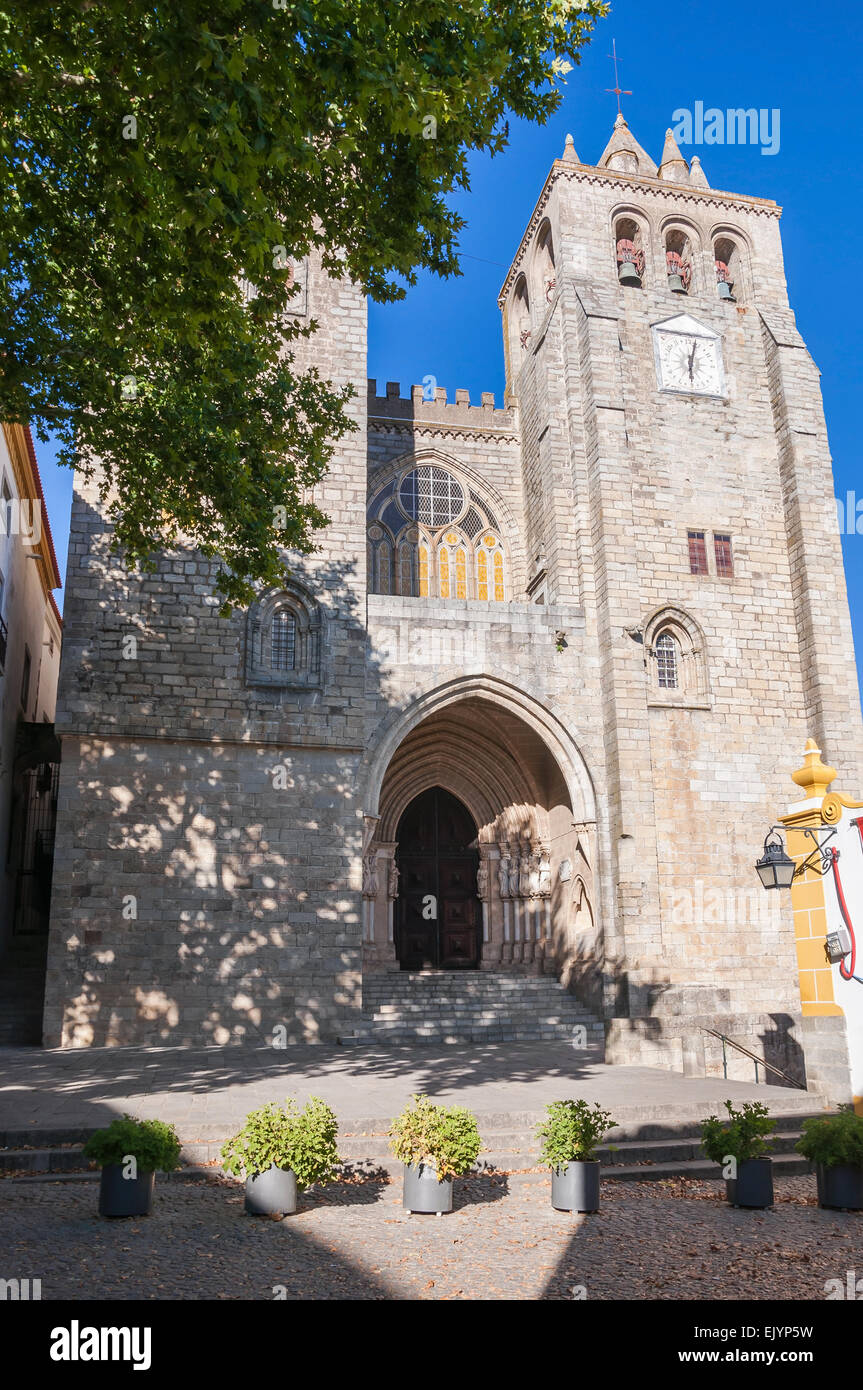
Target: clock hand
(692, 359)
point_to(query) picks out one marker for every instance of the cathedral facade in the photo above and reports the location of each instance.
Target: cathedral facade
(530, 707)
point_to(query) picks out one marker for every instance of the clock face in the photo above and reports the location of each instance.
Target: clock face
(688, 357)
(689, 363)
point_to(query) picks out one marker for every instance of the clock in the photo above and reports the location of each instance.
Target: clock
(688, 357)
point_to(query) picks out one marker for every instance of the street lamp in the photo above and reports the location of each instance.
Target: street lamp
(774, 868)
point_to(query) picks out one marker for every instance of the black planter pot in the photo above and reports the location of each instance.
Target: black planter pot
(753, 1186)
(840, 1185)
(575, 1187)
(423, 1192)
(273, 1193)
(119, 1196)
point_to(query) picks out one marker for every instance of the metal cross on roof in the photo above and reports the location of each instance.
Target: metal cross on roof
(617, 90)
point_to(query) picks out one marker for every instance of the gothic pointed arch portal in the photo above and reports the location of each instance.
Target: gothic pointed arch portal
(437, 911)
(528, 803)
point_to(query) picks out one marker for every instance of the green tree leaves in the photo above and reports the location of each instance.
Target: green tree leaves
(152, 156)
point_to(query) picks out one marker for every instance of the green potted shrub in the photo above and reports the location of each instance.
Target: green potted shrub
(741, 1145)
(130, 1153)
(834, 1143)
(436, 1143)
(280, 1151)
(570, 1137)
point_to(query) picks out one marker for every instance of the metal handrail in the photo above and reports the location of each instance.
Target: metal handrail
(759, 1061)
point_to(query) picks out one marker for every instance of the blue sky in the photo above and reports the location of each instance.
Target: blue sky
(807, 63)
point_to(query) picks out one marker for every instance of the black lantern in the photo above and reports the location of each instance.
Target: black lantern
(774, 868)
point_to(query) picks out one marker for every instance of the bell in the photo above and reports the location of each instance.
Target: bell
(628, 275)
(724, 289)
(675, 283)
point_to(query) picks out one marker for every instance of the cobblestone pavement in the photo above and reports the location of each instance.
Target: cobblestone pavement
(673, 1240)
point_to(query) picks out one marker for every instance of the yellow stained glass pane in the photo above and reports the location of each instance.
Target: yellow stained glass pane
(489, 540)
(443, 562)
(498, 578)
(460, 574)
(482, 575)
(451, 537)
(424, 571)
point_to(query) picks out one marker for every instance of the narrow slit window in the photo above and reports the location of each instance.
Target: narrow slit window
(724, 556)
(697, 552)
(666, 662)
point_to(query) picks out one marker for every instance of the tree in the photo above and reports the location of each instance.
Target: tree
(155, 155)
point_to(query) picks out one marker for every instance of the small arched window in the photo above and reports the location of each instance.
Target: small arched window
(283, 639)
(675, 660)
(667, 661)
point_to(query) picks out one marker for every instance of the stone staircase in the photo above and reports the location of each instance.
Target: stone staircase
(642, 1148)
(22, 991)
(449, 1006)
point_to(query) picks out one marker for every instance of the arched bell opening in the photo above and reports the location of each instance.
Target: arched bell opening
(678, 261)
(629, 253)
(727, 264)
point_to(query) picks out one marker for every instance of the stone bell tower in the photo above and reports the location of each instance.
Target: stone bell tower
(678, 488)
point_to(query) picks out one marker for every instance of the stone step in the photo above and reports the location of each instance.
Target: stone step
(638, 1123)
(462, 984)
(638, 1160)
(411, 1013)
(595, 1054)
(469, 1006)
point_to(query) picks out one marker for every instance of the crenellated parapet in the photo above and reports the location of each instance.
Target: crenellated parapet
(421, 408)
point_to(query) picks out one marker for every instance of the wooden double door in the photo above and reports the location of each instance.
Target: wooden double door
(438, 923)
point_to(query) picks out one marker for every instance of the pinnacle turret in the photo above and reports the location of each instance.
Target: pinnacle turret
(624, 154)
(673, 167)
